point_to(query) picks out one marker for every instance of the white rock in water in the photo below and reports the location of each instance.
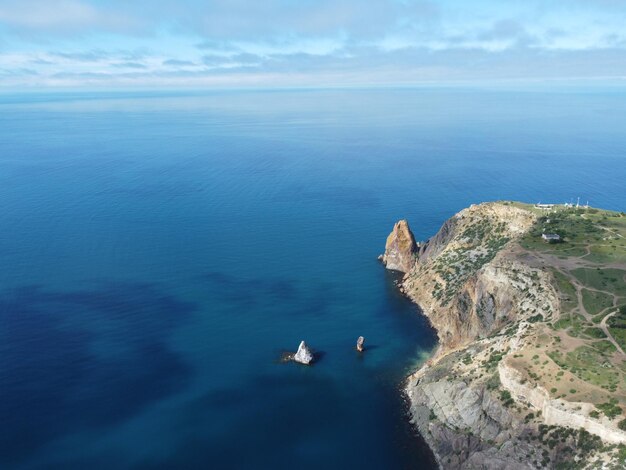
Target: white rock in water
(360, 344)
(304, 354)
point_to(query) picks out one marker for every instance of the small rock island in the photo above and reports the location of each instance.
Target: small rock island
(360, 344)
(531, 370)
(303, 355)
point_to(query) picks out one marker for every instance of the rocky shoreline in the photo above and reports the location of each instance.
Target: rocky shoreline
(472, 403)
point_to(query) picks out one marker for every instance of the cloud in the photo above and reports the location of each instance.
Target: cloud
(84, 56)
(39, 61)
(282, 42)
(235, 60)
(65, 17)
(507, 30)
(18, 72)
(177, 62)
(216, 45)
(130, 65)
(244, 20)
(615, 40)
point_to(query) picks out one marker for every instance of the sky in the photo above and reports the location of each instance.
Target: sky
(308, 43)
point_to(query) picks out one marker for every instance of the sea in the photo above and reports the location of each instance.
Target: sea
(160, 251)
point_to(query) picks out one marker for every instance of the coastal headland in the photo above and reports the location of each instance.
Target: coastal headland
(529, 304)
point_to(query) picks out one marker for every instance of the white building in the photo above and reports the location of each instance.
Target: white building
(551, 237)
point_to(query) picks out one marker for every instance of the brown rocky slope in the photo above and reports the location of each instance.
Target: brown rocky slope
(475, 402)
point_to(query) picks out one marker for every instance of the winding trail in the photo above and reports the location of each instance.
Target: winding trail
(608, 334)
(565, 266)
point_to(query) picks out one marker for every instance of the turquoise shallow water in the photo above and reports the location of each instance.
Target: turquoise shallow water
(160, 251)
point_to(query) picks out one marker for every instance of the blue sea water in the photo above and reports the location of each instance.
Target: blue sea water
(159, 251)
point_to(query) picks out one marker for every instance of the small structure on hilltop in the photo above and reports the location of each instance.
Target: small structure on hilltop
(551, 237)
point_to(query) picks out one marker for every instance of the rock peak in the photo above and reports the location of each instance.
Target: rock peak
(304, 354)
(400, 248)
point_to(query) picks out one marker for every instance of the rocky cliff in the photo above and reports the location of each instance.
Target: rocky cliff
(477, 402)
(400, 248)
(465, 280)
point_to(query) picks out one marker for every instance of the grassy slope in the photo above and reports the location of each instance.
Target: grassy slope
(573, 353)
(590, 294)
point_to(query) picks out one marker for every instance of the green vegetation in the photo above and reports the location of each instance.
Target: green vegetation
(574, 323)
(621, 455)
(595, 333)
(506, 398)
(573, 448)
(605, 347)
(566, 290)
(588, 364)
(568, 349)
(494, 359)
(564, 341)
(570, 225)
(481, 241)
(591, 236)
(610, 408)
(611, 280)
(617, 326)
(494, 381)
(610, 253)
(587, 443)
(596, 302)
(585, 364)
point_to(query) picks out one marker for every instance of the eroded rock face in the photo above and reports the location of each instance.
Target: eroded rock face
(465, 281)
(400, 248)
(558, 412)
(470, 286)
(471, 404)
(464, 423)
(304, 354)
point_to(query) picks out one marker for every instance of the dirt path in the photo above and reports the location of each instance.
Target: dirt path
(608, 334)
(571, 262)
(540, 260)
(613, 232)
(564, 266)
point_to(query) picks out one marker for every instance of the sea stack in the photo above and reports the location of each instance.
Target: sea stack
(400, 248)
(359, 344)
(304, 354)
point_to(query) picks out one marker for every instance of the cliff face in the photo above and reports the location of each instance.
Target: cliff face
(462, 280)
(557, 412)
(488, 305)
(465, 424)
(400, 248)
